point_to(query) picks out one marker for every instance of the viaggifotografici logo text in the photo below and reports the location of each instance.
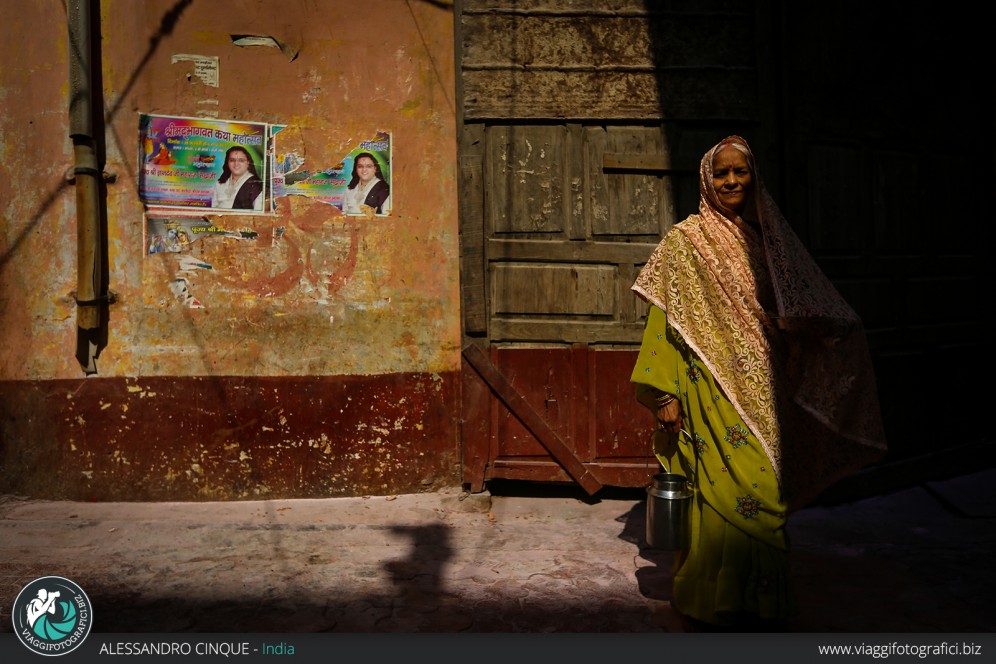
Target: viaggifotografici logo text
(52, 616)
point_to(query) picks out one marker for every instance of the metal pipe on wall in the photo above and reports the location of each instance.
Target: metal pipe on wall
(87, 175)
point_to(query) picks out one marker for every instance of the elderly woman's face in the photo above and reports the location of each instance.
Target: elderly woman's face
(731, 178)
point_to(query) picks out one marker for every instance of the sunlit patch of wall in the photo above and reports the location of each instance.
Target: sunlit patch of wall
(285, 322)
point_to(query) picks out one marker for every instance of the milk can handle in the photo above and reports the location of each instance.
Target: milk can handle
(687, 435)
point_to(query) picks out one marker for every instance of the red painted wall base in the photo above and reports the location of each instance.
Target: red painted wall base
(229, 438)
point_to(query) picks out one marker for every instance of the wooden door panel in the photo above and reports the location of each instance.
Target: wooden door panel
(565, 235)
(557, 289)
(543, 378)
(633, 203)
(570, 215)
(584, 396)
(621, 426)
(481, 376)
(527, 183)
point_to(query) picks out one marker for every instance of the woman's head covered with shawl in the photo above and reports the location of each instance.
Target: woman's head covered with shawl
(797, 369)
(707, 183)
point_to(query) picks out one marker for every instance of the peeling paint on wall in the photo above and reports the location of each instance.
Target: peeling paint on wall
(315, 300)
(266, 41)
(231, 438)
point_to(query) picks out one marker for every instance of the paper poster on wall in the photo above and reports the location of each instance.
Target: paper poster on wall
(360, 184)
(204, 164)
(177, 234)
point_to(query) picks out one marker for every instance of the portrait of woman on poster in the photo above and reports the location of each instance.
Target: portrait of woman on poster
(761, 382)
(367, 187)
(239, 187)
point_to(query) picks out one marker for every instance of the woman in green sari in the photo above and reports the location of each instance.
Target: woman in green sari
(760, 378)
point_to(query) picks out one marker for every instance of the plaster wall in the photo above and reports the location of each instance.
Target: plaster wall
(254, 392)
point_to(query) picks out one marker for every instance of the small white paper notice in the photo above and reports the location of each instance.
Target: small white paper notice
(205, 67)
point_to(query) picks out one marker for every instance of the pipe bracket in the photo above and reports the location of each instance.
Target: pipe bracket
(73, 171)
(104, 299)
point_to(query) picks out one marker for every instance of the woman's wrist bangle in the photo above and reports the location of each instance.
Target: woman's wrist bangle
(665, 400)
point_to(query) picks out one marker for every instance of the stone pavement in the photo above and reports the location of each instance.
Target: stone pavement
(517, 559)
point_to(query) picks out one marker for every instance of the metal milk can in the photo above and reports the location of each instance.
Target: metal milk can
(669, 502)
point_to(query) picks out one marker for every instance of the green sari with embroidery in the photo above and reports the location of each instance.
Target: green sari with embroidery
(737, 562)
(776, 384)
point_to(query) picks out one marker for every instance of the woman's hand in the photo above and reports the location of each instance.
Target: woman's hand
(669, 417)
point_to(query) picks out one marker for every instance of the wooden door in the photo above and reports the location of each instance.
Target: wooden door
(570, 213)
(571, 115)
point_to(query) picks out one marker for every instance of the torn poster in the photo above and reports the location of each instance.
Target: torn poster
(205, 67)
(180, 287)
(177, 234)
(360, 184)
(201, 163)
